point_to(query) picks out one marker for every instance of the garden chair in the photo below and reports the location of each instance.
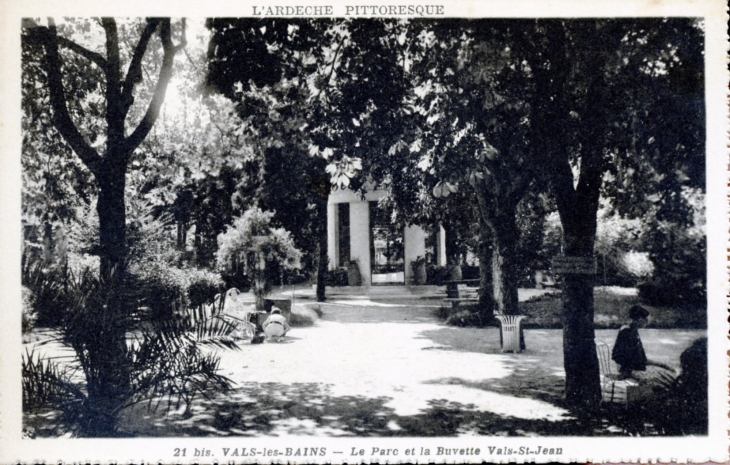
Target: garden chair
(625, 400)
(613, 388)
(245, 328)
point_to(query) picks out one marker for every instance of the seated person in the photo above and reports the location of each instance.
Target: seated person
(276, 325)
(628, 353)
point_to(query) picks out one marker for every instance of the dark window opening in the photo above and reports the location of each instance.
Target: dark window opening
(343, 233)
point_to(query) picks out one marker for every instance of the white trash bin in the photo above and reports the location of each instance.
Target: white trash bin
(510, 332)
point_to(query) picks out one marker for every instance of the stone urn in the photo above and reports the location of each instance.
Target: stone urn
(419, 272)
(354, 278)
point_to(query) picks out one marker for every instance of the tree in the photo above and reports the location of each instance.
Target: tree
(108, 162)
(90, 100)
(264, 67)
(253, 241)
(473, 133)
(596, 108)
(499, 103)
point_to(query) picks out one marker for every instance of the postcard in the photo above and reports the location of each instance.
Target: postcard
(337, 232)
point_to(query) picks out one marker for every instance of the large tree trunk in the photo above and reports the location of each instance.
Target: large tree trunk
(112, 221)
(578, 208)
(504, 269)
(486, 294)
(322, 258)
(498, 222)
(499, 225)
(577, 204)
(504, 266)
(582, 386)
(107, 369)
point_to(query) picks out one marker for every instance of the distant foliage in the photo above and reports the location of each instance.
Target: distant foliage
(680, 268)
(241, 238)
(678, 250)
(638, 264)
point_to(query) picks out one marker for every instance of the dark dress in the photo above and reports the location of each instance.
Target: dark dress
(628, 352)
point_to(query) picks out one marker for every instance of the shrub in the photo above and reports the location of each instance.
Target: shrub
(465, 318)
(436, 274)
(303, 316)
(167, 290)
(47, 282)
(202, 286)
(680, 268)
(159, 287)
(162, 365)
(29, 314)
(252, 239)
(336, 277)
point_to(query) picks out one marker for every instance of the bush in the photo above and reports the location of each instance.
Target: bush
(436, 274)
(303, 316)
(466, 318)
(29, 314)
(159, 287)
(47, 283)
(168, 290)
(336, 277)
(252, 239)
(469, 272)
(667, 292)
(203, 285)
(679, 276)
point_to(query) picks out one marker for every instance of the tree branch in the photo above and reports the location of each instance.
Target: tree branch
(153, 111)
(332, 70)
(83, 51)
(134, 73)
(61, 118)
(114, 114)
(516, 190)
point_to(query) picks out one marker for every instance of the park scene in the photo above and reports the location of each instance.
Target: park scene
(363, 227)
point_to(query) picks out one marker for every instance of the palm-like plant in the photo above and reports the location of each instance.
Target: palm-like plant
(157, 362)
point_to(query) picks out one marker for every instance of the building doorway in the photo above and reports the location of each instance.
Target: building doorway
(386, 248)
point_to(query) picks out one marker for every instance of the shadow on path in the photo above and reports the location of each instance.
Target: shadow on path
(274, 409)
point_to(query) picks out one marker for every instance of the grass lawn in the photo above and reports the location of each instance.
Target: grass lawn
(611, 311)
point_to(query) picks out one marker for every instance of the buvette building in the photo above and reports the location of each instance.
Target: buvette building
(359, 230)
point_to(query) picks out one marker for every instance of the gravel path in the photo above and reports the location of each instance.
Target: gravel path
(392, 369)
(389, 368)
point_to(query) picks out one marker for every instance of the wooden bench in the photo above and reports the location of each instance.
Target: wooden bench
(462, 291)
(461, 300)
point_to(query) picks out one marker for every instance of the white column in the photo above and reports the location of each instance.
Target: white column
(415, 246)
(441, 259)
(360, 238)
(332, 235)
